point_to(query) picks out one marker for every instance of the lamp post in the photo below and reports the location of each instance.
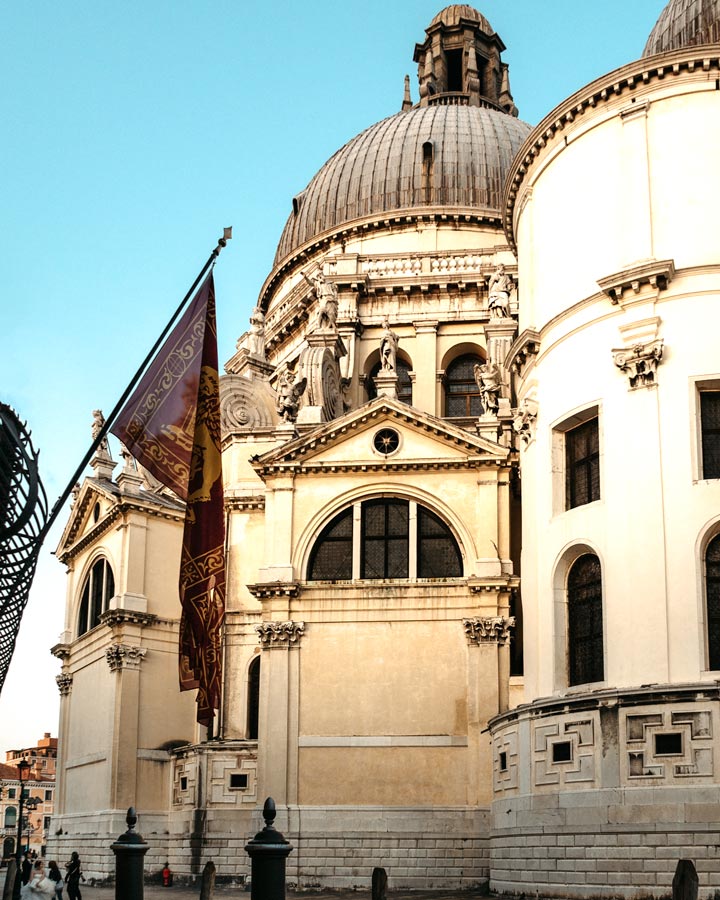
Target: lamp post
(23, 768)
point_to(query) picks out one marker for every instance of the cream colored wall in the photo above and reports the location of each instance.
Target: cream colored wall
(414, 681)
(609, 191)
(649, 525)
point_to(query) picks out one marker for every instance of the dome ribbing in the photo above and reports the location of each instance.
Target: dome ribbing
(685, 23)
(434, 156)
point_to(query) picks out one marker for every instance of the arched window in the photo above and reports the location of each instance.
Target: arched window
(10, 817)
(712, 599)
(404, 384)
(253, 699)
(385, 538)
(99, 587)
(585, 621)
(462, 397)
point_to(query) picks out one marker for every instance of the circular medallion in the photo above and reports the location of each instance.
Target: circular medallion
(386, 441)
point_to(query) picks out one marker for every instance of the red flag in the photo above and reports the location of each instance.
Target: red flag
(171, 425)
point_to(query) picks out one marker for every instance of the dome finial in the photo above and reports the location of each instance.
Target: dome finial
(407, 99)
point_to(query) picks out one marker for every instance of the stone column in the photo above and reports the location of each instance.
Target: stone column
(425, 350)
(279, 726)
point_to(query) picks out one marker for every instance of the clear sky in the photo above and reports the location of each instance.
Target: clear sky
(134, 132)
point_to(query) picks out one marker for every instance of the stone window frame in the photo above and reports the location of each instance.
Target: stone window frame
(561, 648)
(252, 698)
(108, 591)
(472, 394)
(708, 535)
(559, 431)
(698, 386)
(413, 539)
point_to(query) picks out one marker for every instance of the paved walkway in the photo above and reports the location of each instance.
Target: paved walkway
(226, 893)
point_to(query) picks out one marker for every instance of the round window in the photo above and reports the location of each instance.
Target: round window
(386, 441)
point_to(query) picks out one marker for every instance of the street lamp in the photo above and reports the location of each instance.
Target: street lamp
(23, 768)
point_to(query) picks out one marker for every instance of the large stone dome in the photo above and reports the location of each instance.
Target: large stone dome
(685, 23)
(448, 156)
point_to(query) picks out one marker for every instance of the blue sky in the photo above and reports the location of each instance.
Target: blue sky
(134, 132)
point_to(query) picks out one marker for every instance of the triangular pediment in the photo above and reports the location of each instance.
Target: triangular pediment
(355, 440)
(97, 506)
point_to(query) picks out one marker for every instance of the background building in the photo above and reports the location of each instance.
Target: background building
(460, 305)
(39, 786)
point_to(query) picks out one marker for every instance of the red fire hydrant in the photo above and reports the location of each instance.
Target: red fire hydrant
(167, 876)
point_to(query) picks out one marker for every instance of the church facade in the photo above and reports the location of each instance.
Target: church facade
(470, 464)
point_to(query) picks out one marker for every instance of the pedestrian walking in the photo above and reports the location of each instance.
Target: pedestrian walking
(55, 875)
(73, 877)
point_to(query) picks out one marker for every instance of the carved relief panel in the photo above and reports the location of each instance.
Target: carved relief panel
(668, 745)
(564, 751)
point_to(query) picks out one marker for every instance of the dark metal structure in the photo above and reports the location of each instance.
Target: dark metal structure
(23, 516)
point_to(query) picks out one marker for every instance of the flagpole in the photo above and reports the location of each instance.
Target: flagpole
(101, 435)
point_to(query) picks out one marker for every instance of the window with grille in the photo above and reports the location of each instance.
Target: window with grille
(710, 428)
(99, 587)
(404, 383)
(385, 538)
(462, 397)
(582, 464)
(585, 621)
(712, 599)
(253, 699)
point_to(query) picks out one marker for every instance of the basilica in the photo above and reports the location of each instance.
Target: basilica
(471, 463)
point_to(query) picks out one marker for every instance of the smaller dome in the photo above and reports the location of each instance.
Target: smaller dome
(452, 15)
(685, 23)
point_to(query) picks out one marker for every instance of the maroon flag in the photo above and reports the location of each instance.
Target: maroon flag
(171, 425)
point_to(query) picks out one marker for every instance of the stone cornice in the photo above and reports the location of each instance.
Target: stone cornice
(488, 585)
(270, 589)
(114, 617)
(402, 218)
(621, 81)
(122, 506)
(657, 272)
(525, 346)
(296, 456)
(578, 700)
(245, 503)
(62, 651)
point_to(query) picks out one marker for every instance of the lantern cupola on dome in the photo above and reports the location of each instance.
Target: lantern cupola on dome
(459, 61)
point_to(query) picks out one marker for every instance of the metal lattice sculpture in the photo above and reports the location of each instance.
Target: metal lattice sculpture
(23, 517)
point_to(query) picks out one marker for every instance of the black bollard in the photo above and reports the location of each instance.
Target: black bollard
(129, 850)
(268, 851)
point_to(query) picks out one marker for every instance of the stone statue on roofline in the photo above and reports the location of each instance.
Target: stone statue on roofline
(499, 289)
(97, 426)
(327, 298)
(288, 396)
(388, 348)
(256, 335)
(488, 379)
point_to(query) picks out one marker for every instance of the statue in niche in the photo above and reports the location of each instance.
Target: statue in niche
(97, 426)
(488, 379)
(288, 396)
(256, 335)
(388, 348)
(499, 290)
(327, 297)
